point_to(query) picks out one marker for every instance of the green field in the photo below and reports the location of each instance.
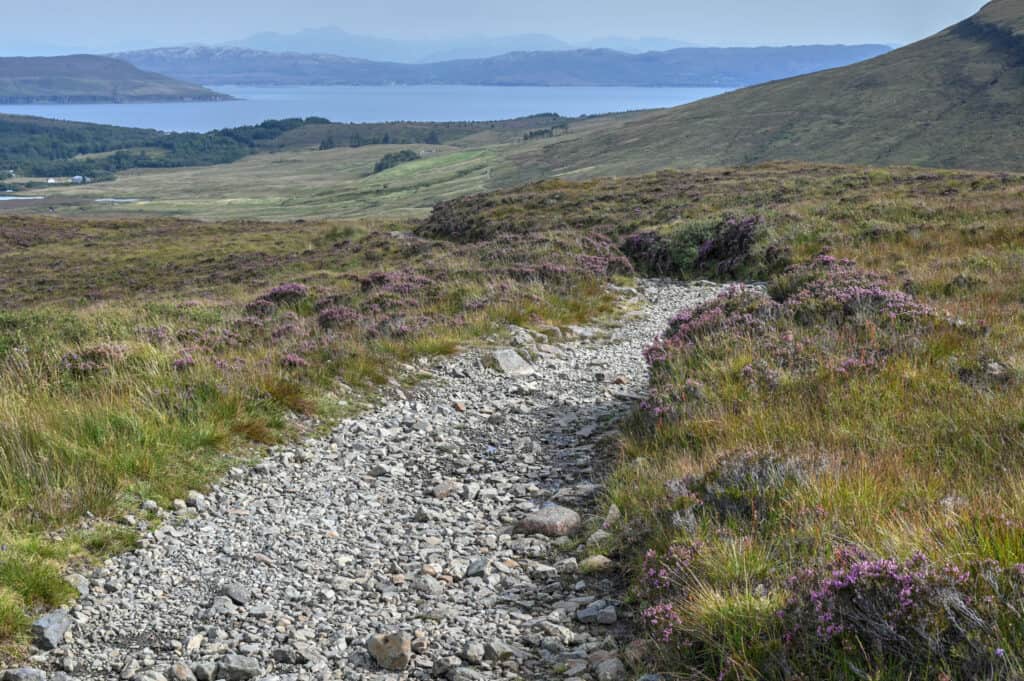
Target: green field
(304, 182)
(289, 185)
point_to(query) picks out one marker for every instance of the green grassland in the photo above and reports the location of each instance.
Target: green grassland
(288, 185)
(32, 146)
(300, 181)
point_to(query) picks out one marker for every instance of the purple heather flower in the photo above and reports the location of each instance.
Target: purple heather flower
(293, 361)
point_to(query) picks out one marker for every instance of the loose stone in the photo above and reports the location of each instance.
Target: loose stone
(552, 520)
(391, 651)
(48, 631)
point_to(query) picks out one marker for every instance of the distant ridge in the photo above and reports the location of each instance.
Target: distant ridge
(955, 99)
(336, 41)
(83, 79)
(691, 66)
(333, 40)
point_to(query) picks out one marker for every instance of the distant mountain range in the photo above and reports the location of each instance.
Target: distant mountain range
(83, 79)
(336, 41)
(692, 66)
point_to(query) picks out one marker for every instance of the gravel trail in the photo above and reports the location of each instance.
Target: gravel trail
(433, 519)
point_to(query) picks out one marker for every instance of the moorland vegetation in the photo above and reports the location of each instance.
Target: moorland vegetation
(823, 480)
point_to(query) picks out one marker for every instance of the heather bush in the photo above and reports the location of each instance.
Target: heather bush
(286, 293)
(261, 307)
(911, 614)
(397, 282)
(293, 361)
(94, 359)
(737, 310)
(829, 289)
(184, 361)
(650, 253)
(727, 252)
(337, 316)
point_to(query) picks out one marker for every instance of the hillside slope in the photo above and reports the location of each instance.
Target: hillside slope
(955, 99)
(81, 79)
(697, 66)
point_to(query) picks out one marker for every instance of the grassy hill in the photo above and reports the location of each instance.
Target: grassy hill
(955, 99)
(82, 79)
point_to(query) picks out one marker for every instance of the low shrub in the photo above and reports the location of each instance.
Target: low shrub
(911, 614)
(728, 250)
(651, 253)
(93, 359)
(337, 316)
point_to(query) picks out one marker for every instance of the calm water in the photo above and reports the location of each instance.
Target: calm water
(364, 104)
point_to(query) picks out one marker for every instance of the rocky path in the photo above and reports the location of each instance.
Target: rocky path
(436, 522)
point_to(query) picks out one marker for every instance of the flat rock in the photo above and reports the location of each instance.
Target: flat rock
(611, 669)
(205, 671)
(238, 593)
(473, 652)
(498, 650)
(510, 362)
(596, 564)
(80, 583)
(238, 668)
(445, 489)
(149, 675)
(180, 672)
(598, 612)
(552, 520)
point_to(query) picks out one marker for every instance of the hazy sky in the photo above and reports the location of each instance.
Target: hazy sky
(109, 24)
